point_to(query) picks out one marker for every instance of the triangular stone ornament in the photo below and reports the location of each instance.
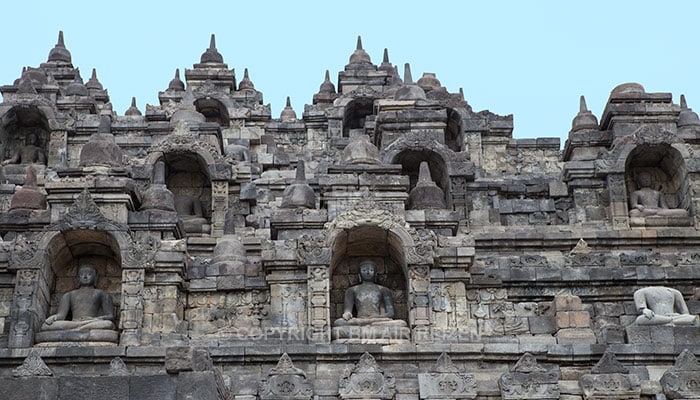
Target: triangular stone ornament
(581, 247)
(33, 365)
(529, 380)
(609, 379)
(681, 380)
(117, 367)
(285, 382)
(608, 364)
(366, 380)
(85, 214)
(444, 364)
(527, 363)
(446, 381)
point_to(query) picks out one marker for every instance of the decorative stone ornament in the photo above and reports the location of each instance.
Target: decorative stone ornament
(285, 382)
(529, 380)
(609, 380)
(33, 365)
(446, 381)
(682, 380)
(366, 381)
(117, 367)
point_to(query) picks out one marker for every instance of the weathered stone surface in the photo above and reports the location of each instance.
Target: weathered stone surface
(28, 388)
(681, 380)
(529, 380)
(98, 387)
(366, 380)
(445, 380)
(609, 379)
(200, 385)
(285, 382)
(152, 386)
(33, 365)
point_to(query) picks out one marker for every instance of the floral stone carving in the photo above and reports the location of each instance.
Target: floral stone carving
(446, 381)
(529, 380)
(366, 381)
(33, 365)
(285, 382)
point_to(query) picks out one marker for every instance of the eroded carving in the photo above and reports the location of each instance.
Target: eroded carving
(366, 380)
(529, 380)
(446, 381)
(285, 382)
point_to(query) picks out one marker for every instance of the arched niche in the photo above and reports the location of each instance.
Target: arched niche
(380, 245)
(213, 110)
(410, 160)
(17, 124)
(68, 250)
(667, 169)
(186, 175)
(453, 132)
(356, 113)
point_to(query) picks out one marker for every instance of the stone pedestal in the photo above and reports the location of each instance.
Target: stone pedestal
(77, 337)
(663, 335)
(371, 334)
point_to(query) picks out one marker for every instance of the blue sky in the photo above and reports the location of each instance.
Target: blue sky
(532, 59)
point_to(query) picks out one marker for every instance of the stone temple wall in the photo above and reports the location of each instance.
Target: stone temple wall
(388, 242)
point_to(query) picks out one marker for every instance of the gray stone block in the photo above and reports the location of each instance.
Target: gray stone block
(161, 387)
(197, 386)
(32, 388)
(542, 324)
(94, 387)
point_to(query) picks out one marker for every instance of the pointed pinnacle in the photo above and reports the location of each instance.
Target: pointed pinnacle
(684, 104)
(212, 42)
(301, 172)
(386, 56)
(407, 78)
(289, 102)
(159, 173)
(359, 42)
(328, 76)
(94, 74)
(177, 73)
(245, 74)
(582, 105)
(78, 77)
(424, 175)
(133, 101)
(60, 40)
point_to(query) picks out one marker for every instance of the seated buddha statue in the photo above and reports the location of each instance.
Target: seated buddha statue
(30, 153)
(661, 305)
(374, 309)
(84, 314)
(648, 202)
(189, 209)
